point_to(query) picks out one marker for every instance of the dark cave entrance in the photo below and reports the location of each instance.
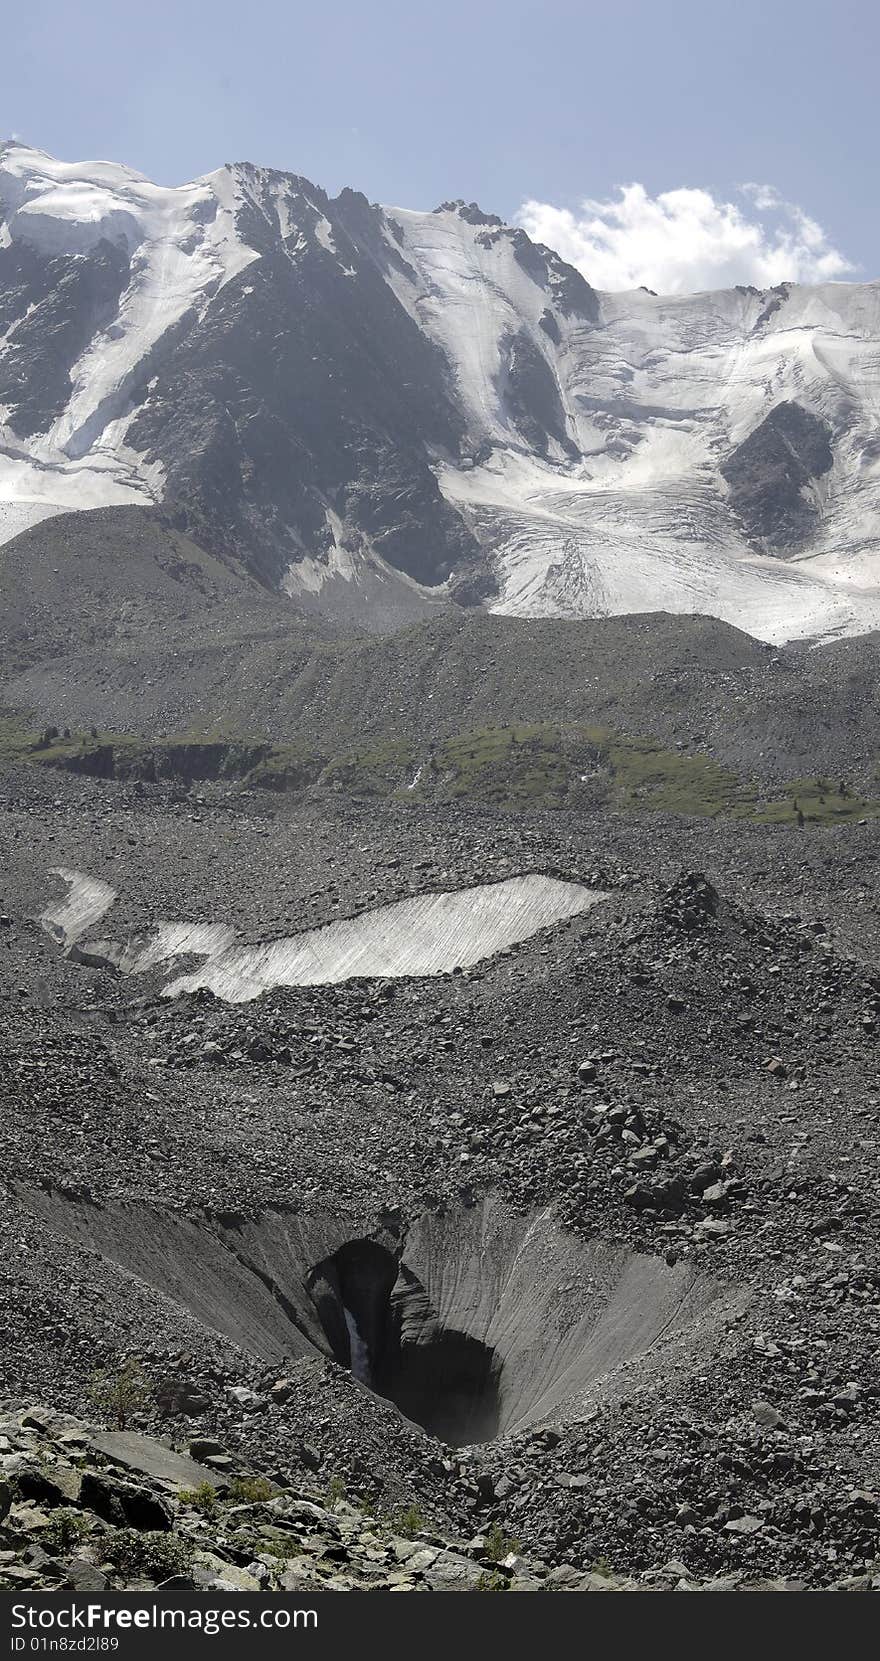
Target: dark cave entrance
(379, 1322)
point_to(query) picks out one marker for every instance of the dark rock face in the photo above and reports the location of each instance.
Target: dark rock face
(775, 299)
(473, 584)
(471, 212)
(446, 1381)
(366, 225)
(441, 1378)
(531, 394)
(123, 1503)
(185, 762)
(569, 290)
(50, 308)
(770, 473)
(313, 394)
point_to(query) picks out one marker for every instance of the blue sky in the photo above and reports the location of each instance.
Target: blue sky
(503, 103)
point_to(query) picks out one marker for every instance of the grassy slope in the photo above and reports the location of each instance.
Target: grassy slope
(513, 768)
(116, 620)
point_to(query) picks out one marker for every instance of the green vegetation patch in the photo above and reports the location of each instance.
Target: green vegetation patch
(546, 766)
(818, 802)
(382, 768)
(515, 768)
(645, 775)
(135, 1553)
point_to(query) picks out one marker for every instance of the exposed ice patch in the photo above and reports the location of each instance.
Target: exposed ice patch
(428, 934)
(84, 904)
(431, 934)
(19, 516)
(166, 943)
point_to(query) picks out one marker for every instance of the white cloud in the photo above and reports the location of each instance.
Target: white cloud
(685, 240)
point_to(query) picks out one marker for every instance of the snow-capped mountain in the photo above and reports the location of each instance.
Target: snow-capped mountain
(357, 400)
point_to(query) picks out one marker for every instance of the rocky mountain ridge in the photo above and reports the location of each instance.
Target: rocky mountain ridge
(114, 620)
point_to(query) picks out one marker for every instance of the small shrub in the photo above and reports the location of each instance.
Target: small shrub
(251, 1490)
(499, 1544)
(121, 1395)
(493, 1582)
(65, 1531)
(283, 1554)
(409, 1520)
(135, 1553)
(203, 1498)
(335, 1492)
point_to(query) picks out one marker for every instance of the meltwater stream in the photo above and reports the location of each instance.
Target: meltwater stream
(360, 1355)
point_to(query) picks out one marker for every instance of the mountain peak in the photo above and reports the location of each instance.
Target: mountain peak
(351, 399)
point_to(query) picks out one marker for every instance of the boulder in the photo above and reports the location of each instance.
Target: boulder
(148, 1457)
(122, 1503)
